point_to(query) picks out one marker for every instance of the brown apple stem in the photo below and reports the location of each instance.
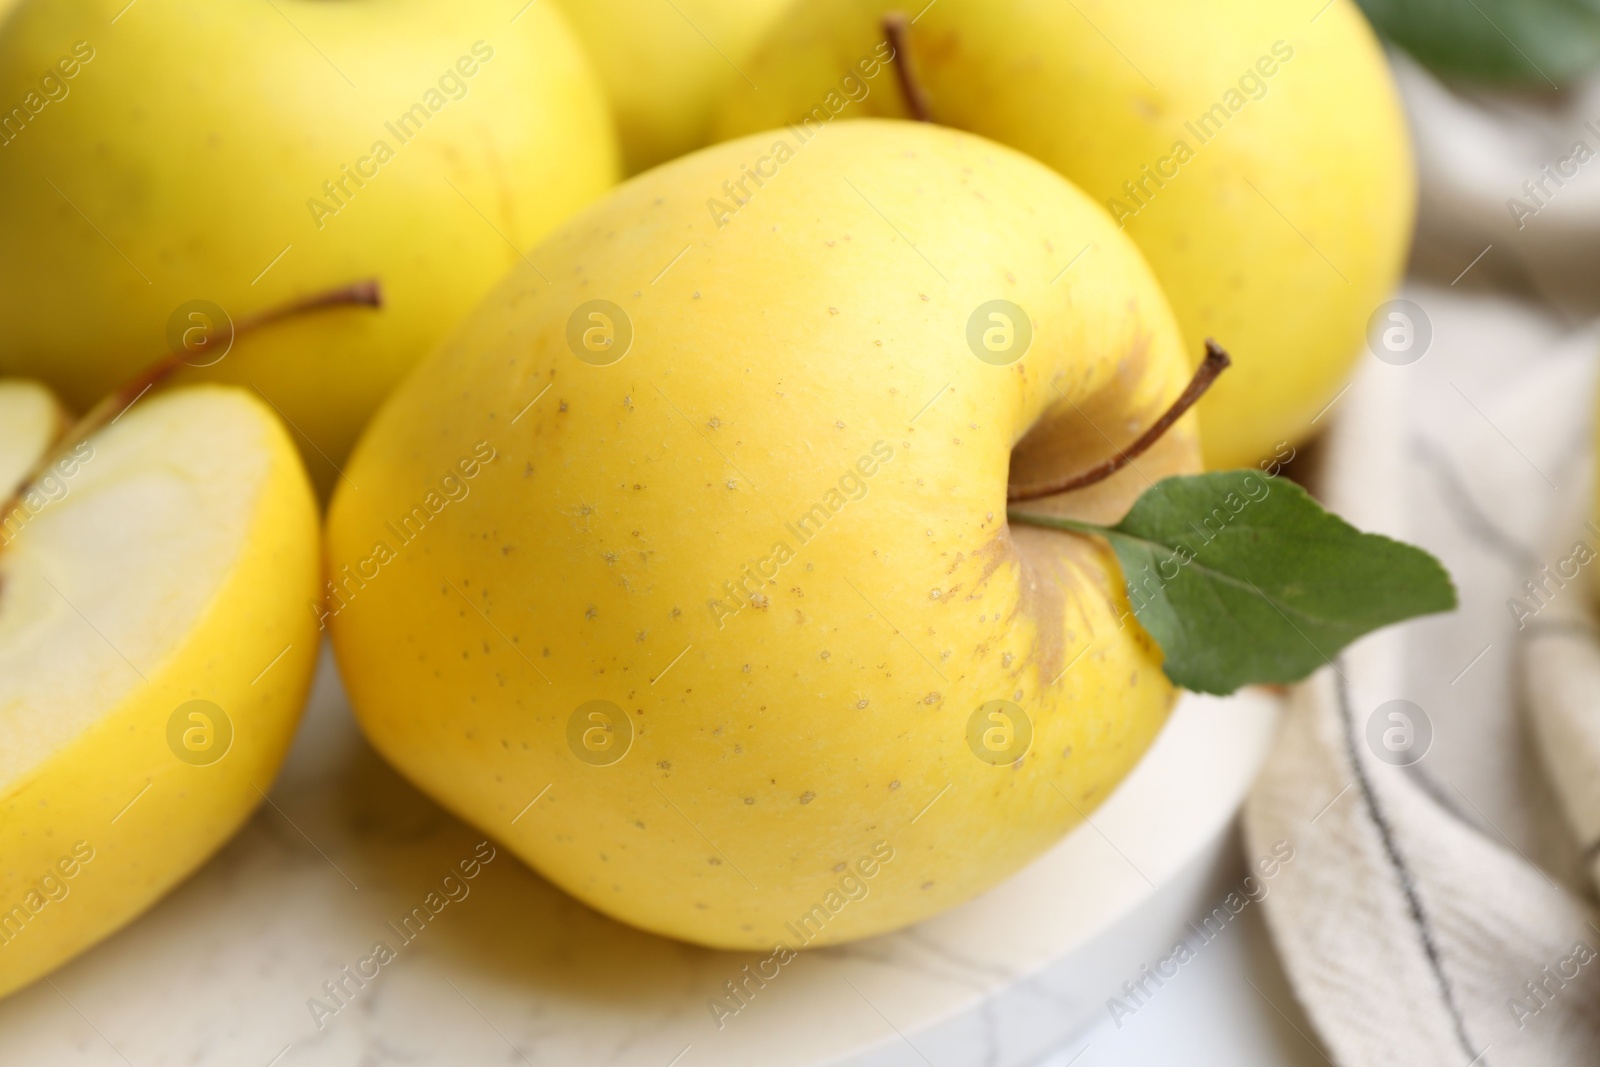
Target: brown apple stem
(366, 293)
(1211, 367)
(358, 294)
(897, 28)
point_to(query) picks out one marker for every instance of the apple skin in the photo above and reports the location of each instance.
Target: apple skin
(192, 143)
(666, 66)
(773, 361)
(79, 793)
(1285, 275)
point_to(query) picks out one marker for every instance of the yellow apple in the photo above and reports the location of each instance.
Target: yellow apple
(701, 550)
(1255, 151)
(30, 421)
(155, 652)
(665, 65)
(244, 153)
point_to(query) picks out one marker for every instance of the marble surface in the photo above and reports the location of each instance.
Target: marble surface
(1233, 1006)
(224, 969)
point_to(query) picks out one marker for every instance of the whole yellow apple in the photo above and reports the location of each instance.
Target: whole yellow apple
(1256, 152)
(207, 158)
(688, 575)
(666, 66)
(155, 652)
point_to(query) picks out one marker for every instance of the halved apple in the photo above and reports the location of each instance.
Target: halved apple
(155, 652)
(30, 421)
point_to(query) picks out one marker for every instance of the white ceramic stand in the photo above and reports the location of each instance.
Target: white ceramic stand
(221, 971)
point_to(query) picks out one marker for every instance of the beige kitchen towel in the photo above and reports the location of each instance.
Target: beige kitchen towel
(1441, 780)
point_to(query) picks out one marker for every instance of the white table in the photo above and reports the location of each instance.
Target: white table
(221, 971)
(1232, 1007)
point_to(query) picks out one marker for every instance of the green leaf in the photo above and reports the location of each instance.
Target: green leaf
(1537, 42)
(1243, 578)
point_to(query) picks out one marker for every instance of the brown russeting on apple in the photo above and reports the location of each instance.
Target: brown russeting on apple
(1210, 368)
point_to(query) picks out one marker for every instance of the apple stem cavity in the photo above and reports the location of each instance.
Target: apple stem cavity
(897, 29)
(1210, 369)
(365, 293)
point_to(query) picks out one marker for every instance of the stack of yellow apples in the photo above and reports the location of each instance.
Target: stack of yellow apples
(680, 506)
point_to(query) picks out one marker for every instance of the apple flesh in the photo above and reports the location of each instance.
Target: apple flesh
(30, 421)
(1258, 158)
(167, 560)
(770, 538)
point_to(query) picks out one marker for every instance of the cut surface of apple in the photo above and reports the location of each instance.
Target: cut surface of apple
(155, 650)
(30, 421)
(702, 544)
